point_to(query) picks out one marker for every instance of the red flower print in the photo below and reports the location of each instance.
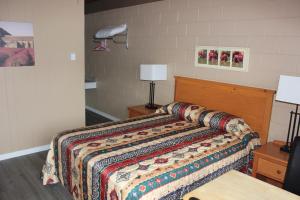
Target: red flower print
(225, 56)
(173, 175)
(213, 55)
(202, 54)
(237, 56)
(142, 188)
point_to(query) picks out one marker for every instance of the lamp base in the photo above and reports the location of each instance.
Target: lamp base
(151, 106)
(285, 148)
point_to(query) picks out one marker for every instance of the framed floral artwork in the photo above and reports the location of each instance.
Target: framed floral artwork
(213, 57)
(225, 58)
(228, 58)
(202, 56)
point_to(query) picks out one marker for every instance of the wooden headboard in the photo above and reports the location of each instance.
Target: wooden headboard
(252, 104)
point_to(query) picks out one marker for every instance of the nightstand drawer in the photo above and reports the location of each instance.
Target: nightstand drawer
(270, 169)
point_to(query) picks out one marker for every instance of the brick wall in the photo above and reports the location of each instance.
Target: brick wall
(167, 32)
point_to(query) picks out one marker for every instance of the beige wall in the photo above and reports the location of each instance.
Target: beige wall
(167, 32)
(37, 102)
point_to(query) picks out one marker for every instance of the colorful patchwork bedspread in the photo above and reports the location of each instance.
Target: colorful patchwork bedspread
(154, 157)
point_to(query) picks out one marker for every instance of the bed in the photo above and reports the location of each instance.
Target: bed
(166, 154)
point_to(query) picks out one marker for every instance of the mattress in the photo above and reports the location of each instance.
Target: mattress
(159, 156)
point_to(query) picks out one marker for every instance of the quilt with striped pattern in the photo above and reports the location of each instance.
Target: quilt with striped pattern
(159, 156)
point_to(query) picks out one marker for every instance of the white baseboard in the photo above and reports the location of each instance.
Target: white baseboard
(108, 116)
(47, 147)
(24, 152)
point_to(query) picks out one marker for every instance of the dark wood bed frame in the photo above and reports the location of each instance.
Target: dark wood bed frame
(252, 104)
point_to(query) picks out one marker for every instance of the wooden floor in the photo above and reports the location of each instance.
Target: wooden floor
(92, 118)
(20, 180)
(20, 177)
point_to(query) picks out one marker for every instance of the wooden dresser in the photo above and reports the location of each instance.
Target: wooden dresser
(135, 111)
(271, 163)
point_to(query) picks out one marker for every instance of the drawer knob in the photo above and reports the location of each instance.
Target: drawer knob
(278, 172)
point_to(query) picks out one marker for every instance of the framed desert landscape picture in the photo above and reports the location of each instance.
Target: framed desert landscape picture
(227, 58)
(16, 44)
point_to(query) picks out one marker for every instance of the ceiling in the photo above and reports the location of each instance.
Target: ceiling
(92, 6)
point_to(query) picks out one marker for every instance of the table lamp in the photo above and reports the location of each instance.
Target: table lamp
(289, 92)
(152, 72)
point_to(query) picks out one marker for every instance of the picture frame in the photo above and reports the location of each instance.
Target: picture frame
(16, 44)
(226, 58)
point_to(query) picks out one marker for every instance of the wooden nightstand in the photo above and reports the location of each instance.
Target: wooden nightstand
(135, 111)
(271, 163)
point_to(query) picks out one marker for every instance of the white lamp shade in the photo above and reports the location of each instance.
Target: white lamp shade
(153, 72)
(288, 89)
